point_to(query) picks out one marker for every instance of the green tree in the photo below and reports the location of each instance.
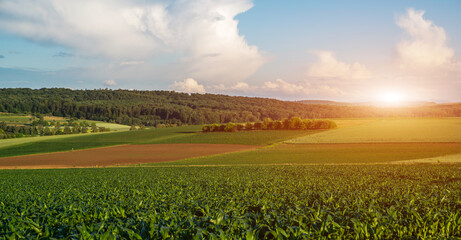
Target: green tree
(94, 128)
(248, 126)
(296, 123)
(258, 126)
(267, 123)
(67, 130)
(277, 125)
(206, 128)
(47, 132)
(230, 127)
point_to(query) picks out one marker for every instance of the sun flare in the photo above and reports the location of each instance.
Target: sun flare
(391, 97)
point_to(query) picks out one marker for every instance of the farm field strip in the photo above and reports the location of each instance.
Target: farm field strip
(366, 153)
(186, 134)
(119, 155)
(4, 143)
(451, 158)
(391, 130)
(86, 141)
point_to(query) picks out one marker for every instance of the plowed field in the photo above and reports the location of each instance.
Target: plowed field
(119, 155)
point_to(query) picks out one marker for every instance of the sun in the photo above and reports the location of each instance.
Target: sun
(391, 97)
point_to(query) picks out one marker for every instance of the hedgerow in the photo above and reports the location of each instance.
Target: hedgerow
(294, 123)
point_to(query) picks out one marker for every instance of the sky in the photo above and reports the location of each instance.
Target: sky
(350, 51)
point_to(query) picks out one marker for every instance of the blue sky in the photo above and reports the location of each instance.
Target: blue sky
(338, 50)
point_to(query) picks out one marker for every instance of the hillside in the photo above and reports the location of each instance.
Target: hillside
(377, 104)
(156, 107)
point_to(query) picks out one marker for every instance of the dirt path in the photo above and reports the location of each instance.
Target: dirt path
(119, 155)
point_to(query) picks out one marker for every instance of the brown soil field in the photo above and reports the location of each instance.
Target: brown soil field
(119, 155)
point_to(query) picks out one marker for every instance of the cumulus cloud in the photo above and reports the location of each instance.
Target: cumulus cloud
(280, 88)
(110, 83)
(327, 66)
(425, 44)
(189, 85)
(204, 34)
(280, 85)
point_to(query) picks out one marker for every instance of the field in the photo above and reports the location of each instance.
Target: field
(290, 187)
(343, 202)
(301, 154)
(21, 119)
(119, 155)
(391, 130)
(14, 118)
(18, 119)
(187, 134)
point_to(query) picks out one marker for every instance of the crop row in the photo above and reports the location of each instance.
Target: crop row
(380, 202)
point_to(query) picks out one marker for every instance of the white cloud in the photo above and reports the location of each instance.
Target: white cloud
(426, 61)
(189, 85)
(327, 66)
(110, 83)
(280, 88)
(202, 35)
(426, 43)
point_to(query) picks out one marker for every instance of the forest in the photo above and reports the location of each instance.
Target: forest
(150, 108)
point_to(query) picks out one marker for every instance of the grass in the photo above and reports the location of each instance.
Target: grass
(21, 119)
(14, 119)
(186, 134)
(328, 154)
(391, 130)
(113, 126)
(243, 137)
(84, 141)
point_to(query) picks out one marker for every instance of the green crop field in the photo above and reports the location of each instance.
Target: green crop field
(30, 141)
(84, 141)
(186, 134)
(243, 137)
(113, 126)
(14, 118)
(329, 154)
(392, 130)
(280, 202)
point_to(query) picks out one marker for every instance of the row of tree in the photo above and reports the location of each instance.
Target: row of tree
(167, 107)
(294, 123)
(9, 131)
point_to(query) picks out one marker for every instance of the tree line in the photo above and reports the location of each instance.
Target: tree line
(294, 123)
(152, 108)
(48, 128)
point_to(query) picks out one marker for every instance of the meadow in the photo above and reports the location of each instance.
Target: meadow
(259, 202)
(301, 154)
(22, 119)
(14, 118)
(185, 134)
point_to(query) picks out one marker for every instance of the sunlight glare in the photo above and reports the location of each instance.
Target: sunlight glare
(391, 97)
